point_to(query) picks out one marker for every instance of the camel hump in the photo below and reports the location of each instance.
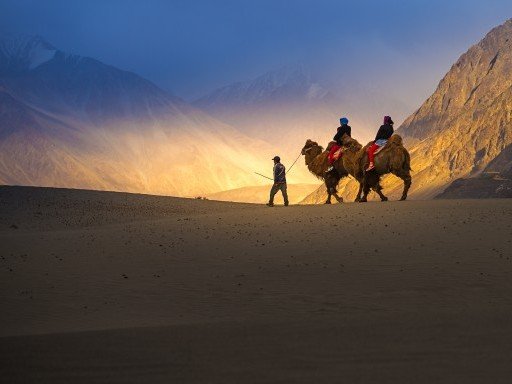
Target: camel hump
(396, 139)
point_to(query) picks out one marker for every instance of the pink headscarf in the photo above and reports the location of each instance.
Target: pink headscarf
(387, 120)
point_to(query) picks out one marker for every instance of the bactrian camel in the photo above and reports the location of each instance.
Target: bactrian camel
(317, 163)
(393, 158)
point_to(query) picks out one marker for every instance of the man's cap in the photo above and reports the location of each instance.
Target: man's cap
(276, 158)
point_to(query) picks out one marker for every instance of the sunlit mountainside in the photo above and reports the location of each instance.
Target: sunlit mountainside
(462, 127)
(467, 122)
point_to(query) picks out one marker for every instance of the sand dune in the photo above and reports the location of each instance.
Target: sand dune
(120, 288)
(260, 194)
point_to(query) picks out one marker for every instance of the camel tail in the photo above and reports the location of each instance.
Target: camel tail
(407, 162)
(398, 141)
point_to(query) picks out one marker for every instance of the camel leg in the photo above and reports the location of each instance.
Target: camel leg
(331, 184)
(371, 181)
(358, 197)
(332, 192)
(366, 191)
(378, 189)
(329, 194)
(407, 184)
(406, 177)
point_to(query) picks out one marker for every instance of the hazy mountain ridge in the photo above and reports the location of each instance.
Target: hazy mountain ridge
(283, 107)
(90, 90)
(465, 124)
(76, 122)
(288, 106)
(21, 53)
(288, 84)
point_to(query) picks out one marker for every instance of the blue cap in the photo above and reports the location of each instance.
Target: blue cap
(343, 121)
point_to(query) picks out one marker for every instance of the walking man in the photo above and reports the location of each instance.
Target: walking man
(279, 182)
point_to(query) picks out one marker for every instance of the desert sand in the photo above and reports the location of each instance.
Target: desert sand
(260, 194)
(100, 287)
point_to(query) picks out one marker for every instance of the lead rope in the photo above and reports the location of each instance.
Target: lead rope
(300, 154)
(287, 172)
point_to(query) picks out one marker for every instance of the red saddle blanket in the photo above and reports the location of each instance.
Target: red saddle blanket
(335, 152)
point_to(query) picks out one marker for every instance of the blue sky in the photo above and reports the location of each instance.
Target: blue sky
(190, 47)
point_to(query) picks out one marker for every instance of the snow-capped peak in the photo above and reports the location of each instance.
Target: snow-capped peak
(289, 83)
(24, 52)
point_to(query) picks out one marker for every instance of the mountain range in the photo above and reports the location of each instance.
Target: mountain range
(287, 106)
(72, 121)
(283, 107)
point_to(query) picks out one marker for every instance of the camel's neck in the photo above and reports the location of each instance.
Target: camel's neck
(316, 164)
(313, 168)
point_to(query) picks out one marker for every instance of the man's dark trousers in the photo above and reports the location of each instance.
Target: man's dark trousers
(276, 187)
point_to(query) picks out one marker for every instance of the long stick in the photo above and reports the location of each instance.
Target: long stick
(266, 177)
(287, 172)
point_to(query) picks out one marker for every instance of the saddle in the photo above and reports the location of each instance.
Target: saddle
(392, 140)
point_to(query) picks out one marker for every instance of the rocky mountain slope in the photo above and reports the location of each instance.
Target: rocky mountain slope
(73, 121)
(494, 182)
(466, 123)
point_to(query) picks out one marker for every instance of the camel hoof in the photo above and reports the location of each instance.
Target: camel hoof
(340, 199)
(403, 198)
(363, 200)
(384, 199)
(327, 202)
(357, 200)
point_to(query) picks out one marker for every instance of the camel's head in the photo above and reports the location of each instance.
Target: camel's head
(310, 146)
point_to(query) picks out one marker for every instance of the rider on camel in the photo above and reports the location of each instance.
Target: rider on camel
(384, 133)
(343, 129)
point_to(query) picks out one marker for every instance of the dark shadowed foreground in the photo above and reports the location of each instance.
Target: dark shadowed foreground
(100, 287)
